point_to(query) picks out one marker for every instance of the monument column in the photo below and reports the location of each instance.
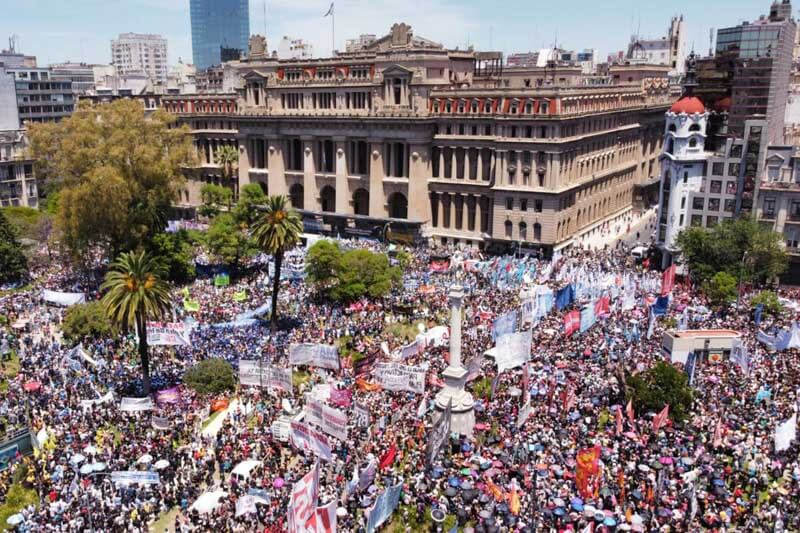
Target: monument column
(455, 375)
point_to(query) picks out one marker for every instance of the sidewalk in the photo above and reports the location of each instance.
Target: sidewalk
(619, 231)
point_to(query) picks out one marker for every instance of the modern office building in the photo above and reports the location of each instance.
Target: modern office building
(80, 74)
(40, 97)
(404, 133)
(219, 28)
(140, 54)
(756, 61)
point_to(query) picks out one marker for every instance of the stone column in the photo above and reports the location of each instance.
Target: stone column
(518, 173)
(244, 146)
(479, 169)
(453, 395)
(377, 202)
(478, 215)
(466, 164)
(340, 166)
(419, 169)
(454, 163)
(310, 192)
(276, 182)
(441, 163)
(452, 210)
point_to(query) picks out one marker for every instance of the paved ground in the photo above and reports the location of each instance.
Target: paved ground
(640, 224)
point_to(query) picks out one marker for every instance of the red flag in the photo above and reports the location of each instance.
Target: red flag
(587, 470)
(569, 398)
(572, 322)
(619, 421)
(668, 280)
(660, 419)
(388, 458)
(719, 433)
(602, 306)
(646, 263)
(629, 411)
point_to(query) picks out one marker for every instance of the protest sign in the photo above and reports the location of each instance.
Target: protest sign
(252, 372)
(133, 405)
(396, 376)
(361, 415)
(304, 437)
(128, 477)
(384, 506)
(321, 355)
(513, 350)
(168, 334)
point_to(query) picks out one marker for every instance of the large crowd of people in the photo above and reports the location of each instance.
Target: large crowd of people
(718, 470)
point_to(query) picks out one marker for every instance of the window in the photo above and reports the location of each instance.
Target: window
(697, 203)
(685, 177)
(769, 206)
(791, 237)
(717, 169)
(713, 204)
(716, 187)
(523, 231)
(697, 221)
(510, 204)
(711, 221)
(736, 151)
(509, 229)
(523, 205)
(733, 169)
(694, 127)
(683, 202)
(794, 210)
(537, 232)
(729, 205)
(692, 142)
(730, 187)
(537, 206)
(680, 221)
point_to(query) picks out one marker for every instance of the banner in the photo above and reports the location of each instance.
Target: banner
(438, 435)
(169, 396)
(240, 296)
(320, 355)
(303, 501)
(127, 477)
(367, 475)
(587, 471)
(564, 297)
(308, 439)
(409, 350)
(504, 325)
(160, 423)
(63, 298)
(334, 422)
(168, 334)
(668, 280)
(324, 519)
(384, 506)
(251, 373)
(222, 280)
(341, 397)
(588, 317)
(192, 306)
(313, 411)
(572, 322)
(133, 405)
(524, 413)
(740, 357)
(474, 367)
(440, 265)
(106, 398)
(361, 415)
(513, 350)
(396, 376)
(785, 433)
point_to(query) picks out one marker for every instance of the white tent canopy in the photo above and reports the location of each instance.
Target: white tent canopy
(208, 501)
(245, 467)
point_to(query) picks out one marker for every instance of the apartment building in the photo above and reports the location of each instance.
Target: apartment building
(140, 54)
(401, 132)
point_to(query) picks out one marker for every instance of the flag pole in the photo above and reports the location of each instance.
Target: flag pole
(333, 28)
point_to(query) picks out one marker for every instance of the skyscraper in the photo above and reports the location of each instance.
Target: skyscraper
(219, 28)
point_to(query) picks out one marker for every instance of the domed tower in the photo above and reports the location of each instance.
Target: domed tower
(682, 162)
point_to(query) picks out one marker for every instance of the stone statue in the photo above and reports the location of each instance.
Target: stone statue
(258, 45)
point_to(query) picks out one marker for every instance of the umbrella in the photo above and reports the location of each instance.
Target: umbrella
(15, 519)
(466, 471)
(90, 449)
(146, 459)
(450, 492)
(93, 467)
(32, 386)
(77, 459)
(453, 482)
(341, 512)
(466, 485)
(161, 464)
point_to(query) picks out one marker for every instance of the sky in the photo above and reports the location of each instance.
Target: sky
(81, 30)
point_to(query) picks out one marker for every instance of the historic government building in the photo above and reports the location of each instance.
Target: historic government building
(404, 136)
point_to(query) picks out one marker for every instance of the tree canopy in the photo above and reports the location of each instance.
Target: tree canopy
(743, 248)
(721, 289)
(661, 385)
(86, 320)
(228, 241)
(210, 376)
(13, 264)
(214, 197)
(118, 172)
(250, 197)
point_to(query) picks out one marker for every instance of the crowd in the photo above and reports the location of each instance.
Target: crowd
(718, 470)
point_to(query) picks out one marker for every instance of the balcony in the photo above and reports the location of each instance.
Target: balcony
(780, 186)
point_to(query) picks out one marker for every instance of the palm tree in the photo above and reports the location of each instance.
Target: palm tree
(135, 293)
(276, 231)
(227, 157)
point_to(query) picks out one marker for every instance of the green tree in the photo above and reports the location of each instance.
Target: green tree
(86, 320)
(134, 292)
(228, 241)
(214, 198)
(210, 376)
(770, 302)
(251, 196)
(743, 248)
(661, 385)
(174, 254)
(13, 265)
(323, 261)
(228, 158)
(276, 231)
(721, 290)
(361, 273)
(118, 172)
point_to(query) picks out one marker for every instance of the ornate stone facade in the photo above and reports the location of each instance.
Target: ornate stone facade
(403, 128)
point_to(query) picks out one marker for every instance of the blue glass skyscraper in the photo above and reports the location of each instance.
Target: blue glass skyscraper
(220, 30)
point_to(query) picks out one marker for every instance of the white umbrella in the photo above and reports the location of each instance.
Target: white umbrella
(146, 459)
(15, 519)
(161, 464)
(77, 459)
(208, 501)
(90, 449)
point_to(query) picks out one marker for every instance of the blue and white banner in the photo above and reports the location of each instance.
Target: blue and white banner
(127, 477)
(588, 317)
(504, 325)
(383, 508)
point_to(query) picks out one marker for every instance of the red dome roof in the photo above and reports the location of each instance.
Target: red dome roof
(688, 105)
(723, 104)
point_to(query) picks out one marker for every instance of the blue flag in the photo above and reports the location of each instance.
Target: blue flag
(660, 306)
(564, 297)
(759, 311)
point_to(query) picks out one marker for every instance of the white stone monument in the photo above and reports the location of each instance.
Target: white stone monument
(455, 375)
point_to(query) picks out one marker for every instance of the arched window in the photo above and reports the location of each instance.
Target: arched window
(670, 146)
(672, 128)
(523, 231)
(509, 229)
(537, 232)
(361, 202)
(692, 142)
(398, 205)
(694, 127)
(296, 196)
(327, 197)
